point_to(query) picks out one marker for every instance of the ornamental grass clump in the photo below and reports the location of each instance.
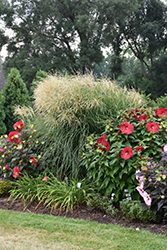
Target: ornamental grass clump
(69, 108)
(136, 135)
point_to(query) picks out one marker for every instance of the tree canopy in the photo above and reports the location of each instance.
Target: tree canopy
(61, 35)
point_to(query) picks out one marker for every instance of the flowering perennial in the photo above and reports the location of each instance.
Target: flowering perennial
(16, 172)
(135, 135)
(13, 137)
(18, 126)
(102, 140)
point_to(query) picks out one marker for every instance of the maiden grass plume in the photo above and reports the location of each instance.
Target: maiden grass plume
(74, 100)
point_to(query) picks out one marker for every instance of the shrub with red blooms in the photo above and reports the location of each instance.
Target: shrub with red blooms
(134, 136)
(21, 152)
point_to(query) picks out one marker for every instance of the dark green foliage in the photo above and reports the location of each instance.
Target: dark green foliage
(143, 32)
(2, 115)
(132, 210)
(103, 204)
(15, 93)
(4, 187)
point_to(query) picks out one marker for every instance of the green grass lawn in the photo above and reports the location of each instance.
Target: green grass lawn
(33, 231)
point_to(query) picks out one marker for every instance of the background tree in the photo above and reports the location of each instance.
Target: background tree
(38, 77)
(144, 32)
(6, 14)
(56, 35)
(15, 93)
(2, 115)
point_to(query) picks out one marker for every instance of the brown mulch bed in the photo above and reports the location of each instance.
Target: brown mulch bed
(82, 213)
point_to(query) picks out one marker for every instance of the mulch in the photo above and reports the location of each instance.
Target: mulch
(83, 213)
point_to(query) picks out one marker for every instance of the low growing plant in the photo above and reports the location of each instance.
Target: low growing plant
(56, 193)
(52, 191)
(112, 158)
(25, 188)
(4, 187)
(133, 210)
(102, 203)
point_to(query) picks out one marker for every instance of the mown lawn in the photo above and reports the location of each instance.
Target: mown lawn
(33, 231)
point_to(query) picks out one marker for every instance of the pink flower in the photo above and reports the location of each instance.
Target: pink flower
(34, 161)
(139, 178)
(2, 150)
(13, 137)
(144, 194)
(126, 128)
(147, 200)
(44, 179)
(126, 153)
(152, 127)
(16, 172)
(162, 197)
(18, 126)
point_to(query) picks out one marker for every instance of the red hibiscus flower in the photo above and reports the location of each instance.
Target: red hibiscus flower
(7, 167)
(2, 150)
(18, 126)
(161, 111)
(16, 172)
(102, 140)
(44, 179)
(139, 148)
(34, 161)
(142, 117)
(127, 153)
(152, 127)
(126, 128)
(13, 137)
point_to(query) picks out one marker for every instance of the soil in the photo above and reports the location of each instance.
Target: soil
(83, 213)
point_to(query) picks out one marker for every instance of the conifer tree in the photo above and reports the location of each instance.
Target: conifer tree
(2, 115)
(15, 93)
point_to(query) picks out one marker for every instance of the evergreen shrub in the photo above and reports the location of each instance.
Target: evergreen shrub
(15, 93)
